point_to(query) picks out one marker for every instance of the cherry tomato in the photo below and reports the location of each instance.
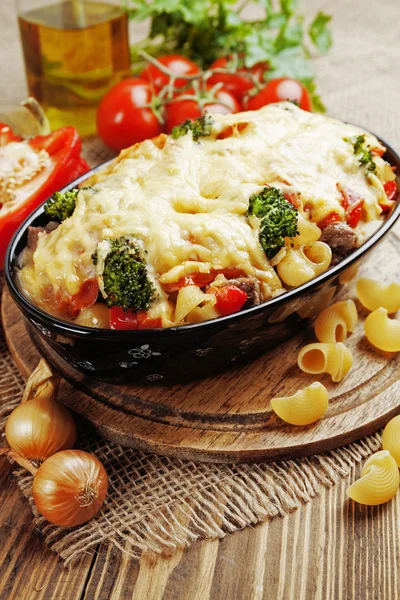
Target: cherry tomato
(181, 110)
(179, 65)
(230, 299)
(281, 89)
(333, 217)
(238, 83)
(124, 117)
(121, 319)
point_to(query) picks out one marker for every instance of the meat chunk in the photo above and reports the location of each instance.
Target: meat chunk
(341, 238)
(33, 234)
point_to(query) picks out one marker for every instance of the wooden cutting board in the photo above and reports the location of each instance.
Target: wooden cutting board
(228, 418)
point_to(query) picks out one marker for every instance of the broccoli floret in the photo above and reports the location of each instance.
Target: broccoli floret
(200, 127)
(61, 206)
(362, 151)
(125, 279)
(278, 219)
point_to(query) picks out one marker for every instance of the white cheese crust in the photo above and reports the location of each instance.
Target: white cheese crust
(185, 202)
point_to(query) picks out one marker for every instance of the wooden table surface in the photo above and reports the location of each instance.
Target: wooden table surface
(330, 549)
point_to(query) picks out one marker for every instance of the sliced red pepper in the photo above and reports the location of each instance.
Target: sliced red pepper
(202, 279)
(333, 217)
(7, 135)
(121, 319)
(230, 299)
(65, 165)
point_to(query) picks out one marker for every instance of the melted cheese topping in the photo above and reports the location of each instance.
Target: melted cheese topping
(186, 202)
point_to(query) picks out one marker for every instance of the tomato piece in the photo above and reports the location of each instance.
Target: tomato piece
(121, 319)
(281, 89)
(240, 82)
(145, 322)
(125, 117)
(293, 199)
(391, 189)
(64, 165)
(179, 111)
(352, 203)
(202, 279)
(354, 216)
(391, 193)
(86, 296)
(230, 299)
(179, 65)
(333, 217)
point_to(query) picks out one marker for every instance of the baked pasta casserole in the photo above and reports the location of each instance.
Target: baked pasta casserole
(225, 213)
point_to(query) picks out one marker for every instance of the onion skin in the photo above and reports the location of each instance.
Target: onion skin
(69, 488)
(39, 428)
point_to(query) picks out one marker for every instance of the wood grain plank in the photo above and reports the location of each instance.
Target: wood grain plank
(193, 576)
(27, 570)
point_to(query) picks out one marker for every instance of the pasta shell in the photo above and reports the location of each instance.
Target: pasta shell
(304, 407)
(188, 298)
(382, 332)
(329, 327)
(375, 294)
(345, 359)
(334, 359)
(391, 438)
(379, 480)
(336, 321)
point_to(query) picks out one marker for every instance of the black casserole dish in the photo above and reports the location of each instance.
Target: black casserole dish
(191, 351)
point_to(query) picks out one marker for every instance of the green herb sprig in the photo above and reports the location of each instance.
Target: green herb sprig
(363, 153)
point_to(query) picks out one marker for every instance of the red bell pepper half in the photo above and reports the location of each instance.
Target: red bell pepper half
(63, 166)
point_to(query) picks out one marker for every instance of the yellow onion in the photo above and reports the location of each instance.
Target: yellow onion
(69, 488)
(40, 426)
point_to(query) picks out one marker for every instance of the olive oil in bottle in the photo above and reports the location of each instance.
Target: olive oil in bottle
(74, 52)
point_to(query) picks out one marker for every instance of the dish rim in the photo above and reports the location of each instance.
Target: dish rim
(80, 330)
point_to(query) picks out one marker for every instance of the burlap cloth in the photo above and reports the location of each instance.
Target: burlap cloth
(159, 504)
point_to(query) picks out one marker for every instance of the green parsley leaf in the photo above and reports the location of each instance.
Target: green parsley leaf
(319, 32)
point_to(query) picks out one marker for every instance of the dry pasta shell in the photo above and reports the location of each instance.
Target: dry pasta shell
(391, 438)
(375, 294)
(334, 359)
(305, 406)
(382, 332)
(379, 480)
(336, 321)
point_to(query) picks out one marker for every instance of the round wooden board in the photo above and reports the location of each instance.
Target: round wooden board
(227, 418)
